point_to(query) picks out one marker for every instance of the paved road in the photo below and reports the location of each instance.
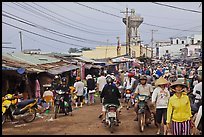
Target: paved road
(84, 121)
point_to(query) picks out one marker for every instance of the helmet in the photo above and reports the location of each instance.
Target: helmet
(63, 79)
(56, 77)
(113, 77)
(109, 80)
(143, 77)
(78, 78)
(131, 74)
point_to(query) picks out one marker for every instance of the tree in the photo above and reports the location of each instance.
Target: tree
(85, 49)
(73, 50)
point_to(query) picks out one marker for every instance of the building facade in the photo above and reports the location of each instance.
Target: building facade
(101, 52)
(179, 47)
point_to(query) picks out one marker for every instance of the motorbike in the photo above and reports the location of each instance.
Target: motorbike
(25, 110)
(110, 117)
(62, 103)
(127, 95)
(198, 119)
(196, 110)
(143, 111)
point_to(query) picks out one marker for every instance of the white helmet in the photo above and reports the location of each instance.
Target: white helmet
(56, 77)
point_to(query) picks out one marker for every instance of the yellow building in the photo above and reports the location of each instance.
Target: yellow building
(101, 52)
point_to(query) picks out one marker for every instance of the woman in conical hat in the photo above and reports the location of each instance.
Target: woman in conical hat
(160, 98)
(179, 110)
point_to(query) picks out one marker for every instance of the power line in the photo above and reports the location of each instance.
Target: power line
(67, 18)
(188, 29)
(142, 23)
(107, 6)
(98, 10)
(167, 27)
(9, 47)
(47, 29)
(43, 35)
(76, 27)
(176, 7)
(6, 43)
(41, 42)
(53, 18)
(93, 19)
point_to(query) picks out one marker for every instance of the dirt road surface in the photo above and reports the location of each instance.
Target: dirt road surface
(84, 121)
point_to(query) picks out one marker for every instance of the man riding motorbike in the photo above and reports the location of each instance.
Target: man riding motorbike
(67, 97)
(129, 85)
(111, 95)
(143, 89)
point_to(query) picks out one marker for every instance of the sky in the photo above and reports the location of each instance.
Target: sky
(58, 26)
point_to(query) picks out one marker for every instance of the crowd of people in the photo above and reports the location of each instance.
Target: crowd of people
(175, 92)
(168, 85)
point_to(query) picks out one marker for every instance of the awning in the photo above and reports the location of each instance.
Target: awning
(62, 69)
(135, 64)
(8, 68)
(200, 68)
(97, 66)
(88, 66)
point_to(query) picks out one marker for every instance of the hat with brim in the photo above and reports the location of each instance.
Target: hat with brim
(88, 76)
(176, 83)
(161, 81)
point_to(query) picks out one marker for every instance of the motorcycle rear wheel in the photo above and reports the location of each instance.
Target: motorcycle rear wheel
(111, 125)
(3, 118)
(66, 111)
(141, 122)
(31, 115)
(56, 110)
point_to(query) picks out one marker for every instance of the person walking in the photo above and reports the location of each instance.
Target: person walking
(91, 85)
(101, 81)
(160, 98)
(179, 111)
(79, 90)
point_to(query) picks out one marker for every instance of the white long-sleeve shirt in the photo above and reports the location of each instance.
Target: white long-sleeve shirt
(129, 85)
(198, 87)
(161, 97)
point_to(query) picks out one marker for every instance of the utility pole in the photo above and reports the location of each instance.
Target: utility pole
(152, 41)
(106, 49)
(127, 30)
(21, 41)
(118, 46)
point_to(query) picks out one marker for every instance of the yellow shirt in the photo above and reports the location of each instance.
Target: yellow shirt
(179, 109)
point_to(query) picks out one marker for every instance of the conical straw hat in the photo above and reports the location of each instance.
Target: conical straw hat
(174, 84)
(161, 81)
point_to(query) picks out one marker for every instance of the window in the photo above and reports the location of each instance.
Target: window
(182, 42)
(171, 41)
(192, 41)
(157, 51)
(177, 41)
(133, 54)
(167, 51)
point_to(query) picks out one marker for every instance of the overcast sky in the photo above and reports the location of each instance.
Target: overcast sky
(58, 26)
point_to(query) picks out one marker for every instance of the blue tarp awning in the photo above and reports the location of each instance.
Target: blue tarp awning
(8, 68)
(18, 70)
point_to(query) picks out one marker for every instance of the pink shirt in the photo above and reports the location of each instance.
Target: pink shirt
(37, 89)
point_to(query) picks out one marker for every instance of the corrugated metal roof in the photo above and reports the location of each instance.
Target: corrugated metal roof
(85, 59)
(33, 59)
(62, 69)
